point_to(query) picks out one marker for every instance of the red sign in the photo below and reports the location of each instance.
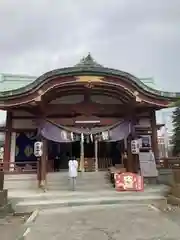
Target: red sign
(129, 182)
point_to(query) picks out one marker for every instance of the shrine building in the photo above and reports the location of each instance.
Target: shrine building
(87, 111)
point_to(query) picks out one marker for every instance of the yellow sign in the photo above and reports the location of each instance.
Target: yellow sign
(89, 79)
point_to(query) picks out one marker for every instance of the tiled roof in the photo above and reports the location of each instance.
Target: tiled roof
(12, 85)
(10, 82)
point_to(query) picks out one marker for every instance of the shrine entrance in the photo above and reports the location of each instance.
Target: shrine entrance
(107, 154)
(60, 153)
(96, 147)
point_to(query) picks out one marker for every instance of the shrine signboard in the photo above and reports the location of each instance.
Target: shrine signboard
(135, 146)
(129, 182)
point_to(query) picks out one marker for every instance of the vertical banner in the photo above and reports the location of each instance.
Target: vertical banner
(129, 182)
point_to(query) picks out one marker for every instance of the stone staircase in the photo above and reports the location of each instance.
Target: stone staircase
(92, 189)
(86, 181)
(58, 181)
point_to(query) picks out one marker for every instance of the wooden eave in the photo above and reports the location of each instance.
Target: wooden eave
(66, 79)
(67, 84)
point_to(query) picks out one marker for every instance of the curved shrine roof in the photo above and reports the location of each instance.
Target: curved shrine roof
(12, 85)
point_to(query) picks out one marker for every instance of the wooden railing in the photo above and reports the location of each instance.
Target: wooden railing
(170, 163)
(24, 167)
(103, 164)
(32, 166)
(19, 167)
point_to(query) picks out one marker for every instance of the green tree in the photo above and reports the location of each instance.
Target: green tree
(176, 130)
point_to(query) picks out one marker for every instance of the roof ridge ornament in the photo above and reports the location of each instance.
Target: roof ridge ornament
(88, 61)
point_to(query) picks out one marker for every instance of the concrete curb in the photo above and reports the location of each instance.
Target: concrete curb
(27, 225)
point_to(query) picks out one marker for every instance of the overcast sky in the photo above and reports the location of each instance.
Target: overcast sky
(138, 36)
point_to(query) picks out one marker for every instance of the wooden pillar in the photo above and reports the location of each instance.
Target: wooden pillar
(82, 153)
(7, 143)
(96, 154)
(43, 165)
(131, 163)
(13, 152)
(129, 155)
(154, 138)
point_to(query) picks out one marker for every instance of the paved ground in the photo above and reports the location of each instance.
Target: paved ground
(10, 226)
(104, 223)
(173, 213)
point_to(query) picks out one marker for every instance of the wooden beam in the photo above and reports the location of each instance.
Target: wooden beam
(54, 116)
(71, 121)
(87, 92)
(154, 137)
(88, 108)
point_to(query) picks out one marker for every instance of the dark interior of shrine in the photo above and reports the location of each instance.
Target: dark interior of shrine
(61, 152)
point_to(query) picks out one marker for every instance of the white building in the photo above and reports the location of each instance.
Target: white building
(165, 134)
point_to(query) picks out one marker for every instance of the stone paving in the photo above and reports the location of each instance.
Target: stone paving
(139, 222)
(10, 226)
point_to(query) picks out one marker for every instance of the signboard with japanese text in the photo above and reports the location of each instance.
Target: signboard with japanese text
(135, 146)
(129, 182)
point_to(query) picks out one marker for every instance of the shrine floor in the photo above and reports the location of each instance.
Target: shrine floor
(111, 222)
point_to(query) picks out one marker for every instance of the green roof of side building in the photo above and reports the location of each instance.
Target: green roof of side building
(10, 82)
